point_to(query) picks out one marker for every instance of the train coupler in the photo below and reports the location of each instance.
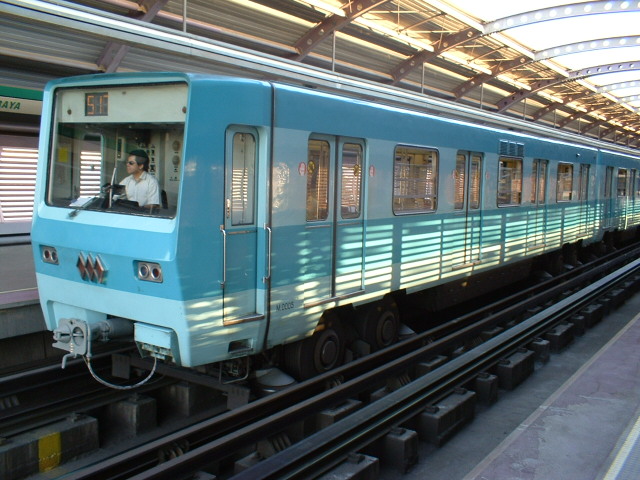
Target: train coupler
(76, 336)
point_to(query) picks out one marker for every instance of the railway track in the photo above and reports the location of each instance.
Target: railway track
(386, 384)
(41, 396)
(323, 450)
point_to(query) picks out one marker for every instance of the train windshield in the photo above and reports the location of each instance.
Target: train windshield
(118, 149)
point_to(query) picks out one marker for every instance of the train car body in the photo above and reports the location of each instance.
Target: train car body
(283, 203)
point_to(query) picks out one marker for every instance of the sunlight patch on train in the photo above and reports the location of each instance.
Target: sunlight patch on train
(349, 282)
(431, 263)
(378, 277)
(205, 310)
(419, 248)
(379, 256)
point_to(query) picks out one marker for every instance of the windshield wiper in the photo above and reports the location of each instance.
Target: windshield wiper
(83, 203)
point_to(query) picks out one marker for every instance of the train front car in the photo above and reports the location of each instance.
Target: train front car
(149, 266)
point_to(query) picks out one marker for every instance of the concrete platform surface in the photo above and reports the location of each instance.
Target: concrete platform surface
(578, 432)
(573, 419)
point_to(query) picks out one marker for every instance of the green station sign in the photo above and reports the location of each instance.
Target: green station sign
(20, 100)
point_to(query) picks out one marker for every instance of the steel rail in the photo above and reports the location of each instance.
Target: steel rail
(46, 394)
(323, 450)
(220, 436)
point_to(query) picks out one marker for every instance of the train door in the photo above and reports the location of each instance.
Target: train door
(348, 272)
(583, 198)
(537, 221)
(633, 196)
(622, 199)
(608, 208)
(468, 197)
(242, 297)
(334, 219)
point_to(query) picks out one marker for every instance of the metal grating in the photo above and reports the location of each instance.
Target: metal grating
(511, 149)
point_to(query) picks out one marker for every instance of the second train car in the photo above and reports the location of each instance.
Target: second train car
(283, 207)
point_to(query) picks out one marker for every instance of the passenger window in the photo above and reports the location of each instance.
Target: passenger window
(243, 179)
(475, 189)
(583, 188)
(539, 182)
(509, 181)
(318, 180)
(564, 189)
(608, 182)
(351, 180)
(475, 169)
(461, 167)
(415, 182)
(623, 180)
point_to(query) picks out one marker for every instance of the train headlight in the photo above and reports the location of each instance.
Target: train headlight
(49, 255)
(150, 272)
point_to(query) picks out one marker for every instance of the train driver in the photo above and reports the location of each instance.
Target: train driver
(140, 185)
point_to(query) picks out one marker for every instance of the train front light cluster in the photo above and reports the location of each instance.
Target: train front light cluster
(150, 272)
(50, 255)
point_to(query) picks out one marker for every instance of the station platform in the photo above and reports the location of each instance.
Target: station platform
(588, 429)
(23, 335)
(20, 312)
(576, 418)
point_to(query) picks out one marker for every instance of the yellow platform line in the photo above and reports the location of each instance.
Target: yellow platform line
(49, 451)
(624, 453)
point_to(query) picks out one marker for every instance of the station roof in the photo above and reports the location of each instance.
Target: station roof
(572, 66)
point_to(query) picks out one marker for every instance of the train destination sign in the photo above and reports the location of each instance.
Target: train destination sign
(96, 104)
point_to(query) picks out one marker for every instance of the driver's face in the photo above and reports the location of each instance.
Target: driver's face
(133, 168)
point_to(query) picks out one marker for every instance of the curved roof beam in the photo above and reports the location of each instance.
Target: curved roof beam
(618, 86)
(587, 46)
(559, 12)
(450, 41)
(628, 99)
(580, 114)
(538, 114)
(505, 23)
(113, 52)
(332, 24)
(617, 133)
(589, 71)
(503, 67)
(507, 102)
(593, 125)
(606, 131)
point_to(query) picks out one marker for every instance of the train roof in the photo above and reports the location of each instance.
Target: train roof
(370, 92)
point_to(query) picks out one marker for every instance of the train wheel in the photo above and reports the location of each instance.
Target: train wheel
(379, 324)
(321, 352)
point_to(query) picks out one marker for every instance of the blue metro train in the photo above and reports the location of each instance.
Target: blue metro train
(293, 221)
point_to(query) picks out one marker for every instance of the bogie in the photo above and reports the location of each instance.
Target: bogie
(378, 323)
(319, 353)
